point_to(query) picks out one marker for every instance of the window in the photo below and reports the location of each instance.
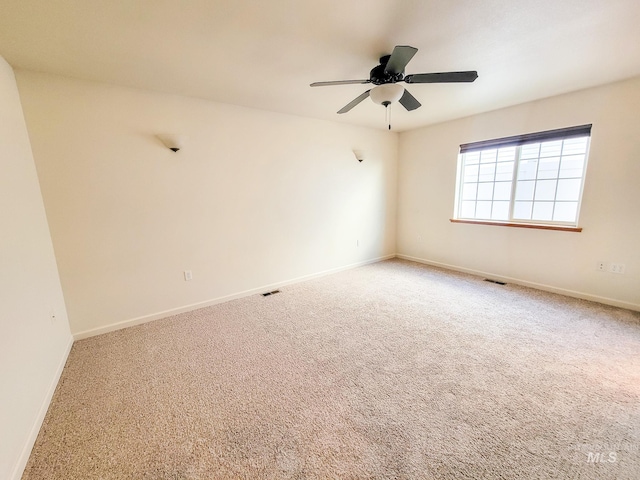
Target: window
(533, 179)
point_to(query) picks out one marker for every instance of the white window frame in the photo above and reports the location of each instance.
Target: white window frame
(518, 142)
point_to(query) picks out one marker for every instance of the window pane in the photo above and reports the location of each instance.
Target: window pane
(545, 190)
(483, 210)
(488, 156)
(500, 211)
(506, 154)
(472, 158)
(485, 191)
(471, 173)
(572, 166)
(524, 190)
(469, 191)
(530, 150)
(522, 210)
(542, 211)
(502, 191)
(565, 211)
(487, 172)
(551, 149)
(527, 169)
(504, 171)
(575, 145)
(549, 167)
(468, 209)
(569, 189)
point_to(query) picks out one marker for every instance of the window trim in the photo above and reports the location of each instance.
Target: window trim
(540, 226)
(518, 141)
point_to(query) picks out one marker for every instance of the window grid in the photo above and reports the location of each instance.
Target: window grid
(536, 215)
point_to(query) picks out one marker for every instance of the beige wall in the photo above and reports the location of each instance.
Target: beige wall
(558, 261)
(33, 348)
(253, 199)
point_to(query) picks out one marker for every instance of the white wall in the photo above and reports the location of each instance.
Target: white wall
(253, 199)
(558, 261)
(33, 348)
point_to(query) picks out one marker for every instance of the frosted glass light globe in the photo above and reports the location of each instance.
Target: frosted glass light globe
(388, 93)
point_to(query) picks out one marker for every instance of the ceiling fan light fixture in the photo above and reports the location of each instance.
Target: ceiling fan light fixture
(387, 75)
(387, 93)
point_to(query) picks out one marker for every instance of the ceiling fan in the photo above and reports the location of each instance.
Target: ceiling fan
(389, 73)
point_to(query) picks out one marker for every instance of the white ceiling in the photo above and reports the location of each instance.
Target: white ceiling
(265, 54)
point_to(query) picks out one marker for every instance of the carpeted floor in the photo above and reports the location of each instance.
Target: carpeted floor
(392, 370)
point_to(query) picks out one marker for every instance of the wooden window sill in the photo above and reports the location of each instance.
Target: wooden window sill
(520, 225)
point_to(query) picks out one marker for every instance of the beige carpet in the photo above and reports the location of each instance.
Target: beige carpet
(393, 370)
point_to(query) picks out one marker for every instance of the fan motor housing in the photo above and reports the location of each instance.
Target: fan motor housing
(378, 76)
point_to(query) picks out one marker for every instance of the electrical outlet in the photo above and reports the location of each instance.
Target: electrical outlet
(617, 268)
(188, 276)
(602, 266)
(357, 243)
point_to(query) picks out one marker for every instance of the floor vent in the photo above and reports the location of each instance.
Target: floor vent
(494, 281)
(270, 293)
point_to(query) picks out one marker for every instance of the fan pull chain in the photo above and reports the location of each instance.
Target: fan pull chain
(388, 115)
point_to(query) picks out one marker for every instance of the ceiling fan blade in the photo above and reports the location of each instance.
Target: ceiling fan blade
(445, 77)
(408, 101)
(399, 58)
(354, 102)
(339, 82)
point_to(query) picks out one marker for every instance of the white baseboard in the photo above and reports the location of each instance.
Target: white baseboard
(525, 283)
(37, 424)
(187, 308)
